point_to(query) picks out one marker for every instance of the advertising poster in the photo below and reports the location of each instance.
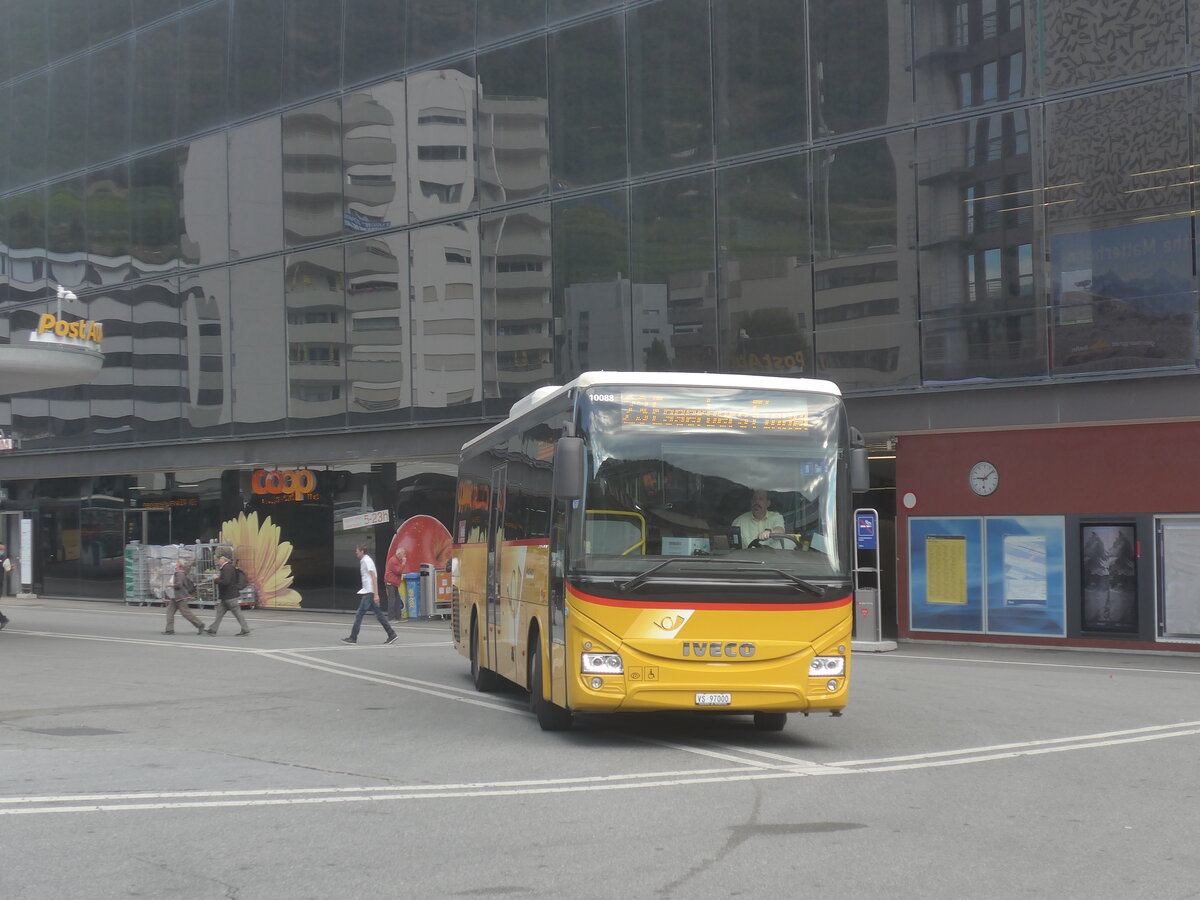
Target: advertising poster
(1026, 585)
(1179, 539)
(945, 574)
(1109, 567)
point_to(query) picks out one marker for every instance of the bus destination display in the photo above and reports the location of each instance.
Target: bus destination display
(757, 414)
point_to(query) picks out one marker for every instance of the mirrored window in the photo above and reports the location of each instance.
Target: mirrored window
(378, 346)
(502, 18)
(587, 104)
(155, 64)
(312, 172)
(258, 341)
(871, 355)
(154, 213)
(374, 39)
(204, 200)
(27, 155)
(159, 363)
(993, 344)
(374, 152)
(761, 75)
(513, 124)
(518, 321)
(108, 102)
(107, 19)
(674, 276)
(29, 52)
(765, 304)
(68, 28)
(592, 288)
(445, 340)
(312, 44)
(110, 394)
(66, 233)
(207, 347)
(66, 138)
(256, 77)
(255, 199)
(27, 244)
(314, 291)
(566, 9)
(203, 52)
(145, 11)
(442, 141)
(5, 135)
(108, 226)
(438, 28)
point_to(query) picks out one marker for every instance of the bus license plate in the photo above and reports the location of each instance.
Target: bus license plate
(714, 699)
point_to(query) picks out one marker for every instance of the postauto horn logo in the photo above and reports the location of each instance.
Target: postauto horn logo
(295, 483)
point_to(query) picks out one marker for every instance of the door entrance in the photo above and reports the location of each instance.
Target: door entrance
(148, 526)
(10, 533)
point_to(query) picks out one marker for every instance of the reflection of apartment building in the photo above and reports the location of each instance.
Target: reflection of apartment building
(613, 325)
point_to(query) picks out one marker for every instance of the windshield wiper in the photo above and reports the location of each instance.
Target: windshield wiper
(638, 580)
(816, 590)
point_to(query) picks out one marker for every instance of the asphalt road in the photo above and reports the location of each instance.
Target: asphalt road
(289, 765)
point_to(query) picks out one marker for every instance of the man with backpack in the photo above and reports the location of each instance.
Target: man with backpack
(228, 595)
(183, 592)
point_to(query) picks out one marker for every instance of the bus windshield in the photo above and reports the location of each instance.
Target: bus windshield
(705, 476)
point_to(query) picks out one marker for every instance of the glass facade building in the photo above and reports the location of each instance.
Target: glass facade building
(347, 234)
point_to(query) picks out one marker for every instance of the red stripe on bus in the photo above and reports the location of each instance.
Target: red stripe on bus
(693, 605)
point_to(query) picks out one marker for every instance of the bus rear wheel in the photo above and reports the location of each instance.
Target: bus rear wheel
(485, 680)
(549, 716)
(770, 721)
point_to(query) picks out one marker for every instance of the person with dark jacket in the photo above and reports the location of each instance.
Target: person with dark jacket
(227, 595)
(6, 566)
(183, 591)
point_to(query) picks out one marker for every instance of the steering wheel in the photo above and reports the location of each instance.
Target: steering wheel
(760, 544)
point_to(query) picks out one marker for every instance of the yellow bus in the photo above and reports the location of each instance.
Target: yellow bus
(646, 541)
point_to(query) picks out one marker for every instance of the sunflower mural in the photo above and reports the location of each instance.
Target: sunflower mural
(263, 558)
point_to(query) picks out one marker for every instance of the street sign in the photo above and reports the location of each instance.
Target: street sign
(867, 530)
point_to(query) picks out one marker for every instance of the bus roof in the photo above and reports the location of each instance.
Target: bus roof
(545, 394)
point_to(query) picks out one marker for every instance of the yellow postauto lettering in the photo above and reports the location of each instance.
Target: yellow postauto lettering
(80, 329)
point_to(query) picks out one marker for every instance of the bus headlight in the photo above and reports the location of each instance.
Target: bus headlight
(827, 665)
(602, 664)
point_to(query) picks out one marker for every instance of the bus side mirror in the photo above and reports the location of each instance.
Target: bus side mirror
(568, 468)
(860, 470)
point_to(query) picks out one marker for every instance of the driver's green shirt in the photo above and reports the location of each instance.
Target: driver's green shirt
(751, 527)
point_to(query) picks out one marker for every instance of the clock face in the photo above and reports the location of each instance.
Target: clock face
(984, 479)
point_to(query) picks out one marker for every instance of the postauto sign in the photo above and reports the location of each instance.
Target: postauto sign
(295, 484)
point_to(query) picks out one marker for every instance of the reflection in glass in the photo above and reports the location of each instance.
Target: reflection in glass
(158, 366)
(27, 127)
(255, 201)
(154, 213)
(107, 19)
(674, 290)
(256, 76)
(203, 51)
(66, 136)
(438, 28)
(761, 78)
(869, 355)
(587, 103)
(207, 369)
(29, 21)
(258, 338)
(155, 63)
(1119, 220)
(373, 152)
(108, 102)
(312, 43)
(145, 11)
(447, 379)
(68, 29)
(27, 245)
(766, 268)
(108, 230)
(66, 233)
(5, 137)
(314, 292)
(204, 204)
(502, 18)
(374, 39)
(565, 9)
(514, 151)
(592, 287)
(518, 332)
(110, 393)
(312, 172)
(377, 330)
(441, 134)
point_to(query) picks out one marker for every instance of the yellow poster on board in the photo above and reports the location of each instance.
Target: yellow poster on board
(946, 568)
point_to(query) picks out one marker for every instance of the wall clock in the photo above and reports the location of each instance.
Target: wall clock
(984, 479)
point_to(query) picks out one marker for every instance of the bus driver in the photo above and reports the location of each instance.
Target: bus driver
(760, 522)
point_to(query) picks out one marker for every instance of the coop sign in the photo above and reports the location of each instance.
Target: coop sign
(52, 328)
(294, 483)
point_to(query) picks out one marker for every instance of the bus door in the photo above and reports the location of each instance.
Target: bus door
(495, 541)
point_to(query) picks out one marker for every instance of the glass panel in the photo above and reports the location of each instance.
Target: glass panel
(204, 51)
(258, 342)
(518, 323)
(670, 92)
(6, 181)
(101, 545)
(1088, 41)
(1118, 211)
(312, 173)
(761, 75)
(58, 526)
(68, 27)
(66, 233)
(438, 28)
(108, 230)
(375, 121)
(110, 393)
(565, 9)
(374, 39)
(514, 148)
(158, 362)
(377, 330)
(316, 335)
(27, 156)
(66, 144)
(312, 48)
(255, 194)
(860, 75)
(27, 245)
(154, 213)
(882, 354)
(445, 320)
(206, 363)
(257, 75)
(5, 267)
(108, 102)
(441, 132)
(145, 11)
(502, 18)
(156, 60)
(674, 290)
(107, 19)
(592, 287)
(26, 37)
(766, 268)
(1002, 343)
(204, 204)
(587, 103)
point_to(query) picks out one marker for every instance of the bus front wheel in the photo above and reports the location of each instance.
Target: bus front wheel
(485, 679)
(770, 721)
(549, 716)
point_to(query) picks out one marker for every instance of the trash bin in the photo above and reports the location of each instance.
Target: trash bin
(412, 587)
(428, 589)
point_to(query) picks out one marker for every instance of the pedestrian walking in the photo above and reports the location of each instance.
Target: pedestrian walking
(228, 595)
(393, 579)
(368, 598)
(183, 592)
(6, 566)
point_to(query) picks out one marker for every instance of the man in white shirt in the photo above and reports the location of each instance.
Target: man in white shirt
(760, 522)
(368, 598)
